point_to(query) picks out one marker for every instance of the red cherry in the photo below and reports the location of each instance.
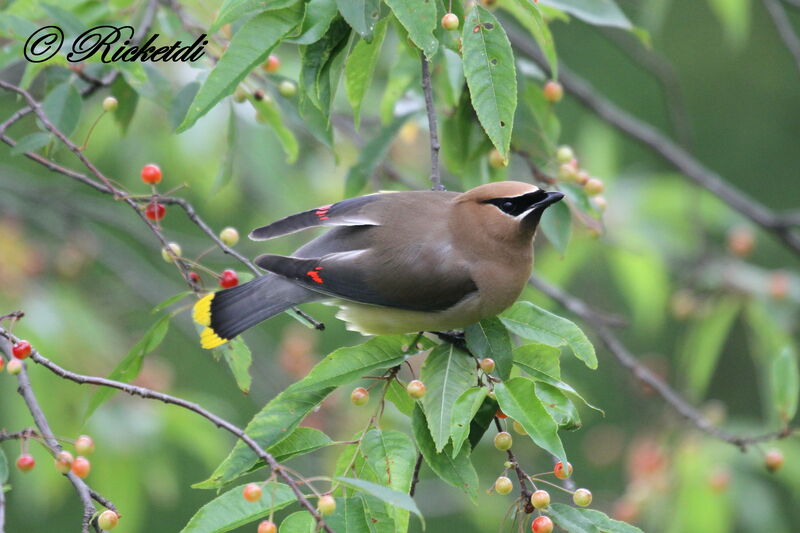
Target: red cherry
(25, 462)
(252, 492)
(155, 211)
(228, 279)
(81, 467)
(553, 92)
(21, 350)
(267, 526)
(272, 64)
(561, 472)
(194, 276)
(151, 174)
(542, 524)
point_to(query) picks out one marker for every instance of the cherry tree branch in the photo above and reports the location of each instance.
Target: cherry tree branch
(664, 146)
(784, 28)
(642, 373)
(149, 394)
(436, 178)
(25, 389)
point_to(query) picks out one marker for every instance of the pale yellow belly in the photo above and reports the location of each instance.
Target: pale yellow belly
(375, 320)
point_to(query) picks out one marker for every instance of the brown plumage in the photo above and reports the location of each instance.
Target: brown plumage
(394, 262)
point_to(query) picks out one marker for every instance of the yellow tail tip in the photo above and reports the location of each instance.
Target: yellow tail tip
(202, 310)
(209, 339)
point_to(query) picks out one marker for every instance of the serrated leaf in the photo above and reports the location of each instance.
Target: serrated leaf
(349, 517)
(464, 410)
(447, 373)
(31, 143)
(541, 362)
(532, 322)
(181, 102)
(419, 18)
(537, 128)
(230, 510)
(318, 18)
(175, 298)
(704, 342)
(317, 84)
(232, 10)
(128, 369)
(62, 106)
(456, 471)
(528, 14)
(398, 395)
(574, 520)
(361, 15)
(237, 354)
(249, 47)
(299, 522)
(596, 12)
(561, 408)
(490, 338)
(360, 66)
(301, 441)
(785, 384)
(128, 99)
(268, 111)
(491, 76)
(392, 497)
(372, 155)
(517, 398)
(556, 225)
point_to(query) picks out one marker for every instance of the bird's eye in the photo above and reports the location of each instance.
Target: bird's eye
(507, 206)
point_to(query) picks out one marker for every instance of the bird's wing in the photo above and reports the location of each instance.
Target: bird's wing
(348, 212)
(350, 276)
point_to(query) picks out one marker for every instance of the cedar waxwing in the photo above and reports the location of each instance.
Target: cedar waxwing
(398, 262)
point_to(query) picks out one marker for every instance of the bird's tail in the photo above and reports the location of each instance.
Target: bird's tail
(228, 312)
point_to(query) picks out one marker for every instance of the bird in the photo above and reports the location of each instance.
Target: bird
(393, 262)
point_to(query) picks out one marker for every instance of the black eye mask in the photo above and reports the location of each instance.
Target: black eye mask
(517, 205)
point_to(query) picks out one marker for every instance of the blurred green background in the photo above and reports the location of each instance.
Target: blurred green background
(87, 273)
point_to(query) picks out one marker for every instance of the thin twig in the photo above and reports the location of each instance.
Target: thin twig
(784, 27)
(146, 393)
(663, 146)
(645, 375)
(415, 477)
(436, 178)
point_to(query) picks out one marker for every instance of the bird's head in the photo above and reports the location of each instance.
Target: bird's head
(506, 210)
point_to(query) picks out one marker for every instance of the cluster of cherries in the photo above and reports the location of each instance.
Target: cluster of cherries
(252, 492)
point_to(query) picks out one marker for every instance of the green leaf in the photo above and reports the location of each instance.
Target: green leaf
(175, 298)
(456, 471)
(32, 143)
(128, 369)
(284, 412)
(403, 73)
(301, 441)
(268, 111)
(360, 66)
(489, 338)
(419, 18)
(392, 497)
(561, 408)
(596, 12)
(299, 522)
(397, 394)
(447, 373)
(704, 342)
(128, 99)
(528, 14)
(556, 225)
(574, 520)
(464, 410)
(541, 362)
(785, 384)
(180, 104)
(349, 363)
(350, 516)
(517, 398)
(3, 469)
(319, 15)
(532, 322)
(491, 76)
(317, 64)
(361, 15)
(248, 48)
(537, 126)
(230, 510)
(232, 10)
(62, 106)
(372, 155)
(482, 421)
(226, 167)
(451, 83)
(237, 355)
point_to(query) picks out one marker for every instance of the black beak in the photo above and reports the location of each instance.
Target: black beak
(531, 220)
